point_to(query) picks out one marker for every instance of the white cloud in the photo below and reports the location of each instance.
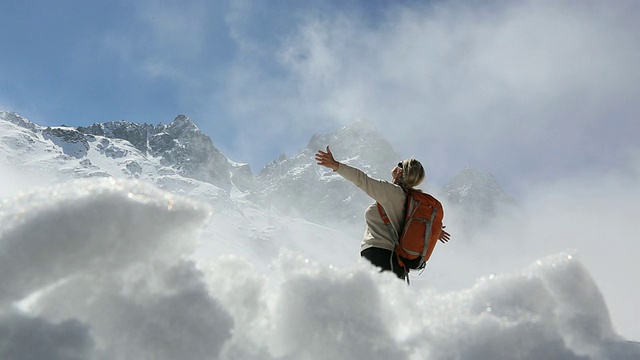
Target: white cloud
(532, 88)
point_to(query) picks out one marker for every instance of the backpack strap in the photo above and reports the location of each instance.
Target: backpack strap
(428, 232)
(387, 222)
(396, 240)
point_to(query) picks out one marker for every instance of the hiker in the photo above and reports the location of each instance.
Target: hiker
(377, 244)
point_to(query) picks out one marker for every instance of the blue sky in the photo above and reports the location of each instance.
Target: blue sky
(531, 91)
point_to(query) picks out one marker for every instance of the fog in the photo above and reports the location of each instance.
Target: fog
(591, 215)
(531, 91)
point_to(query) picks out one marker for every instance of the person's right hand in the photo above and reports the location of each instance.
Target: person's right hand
(326, 159)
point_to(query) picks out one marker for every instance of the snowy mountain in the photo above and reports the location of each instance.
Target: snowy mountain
(180, 146)
(300, 187)
(177, 157)
(477, 199)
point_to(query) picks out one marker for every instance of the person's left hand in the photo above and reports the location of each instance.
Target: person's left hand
(326, 159)
(444, 236)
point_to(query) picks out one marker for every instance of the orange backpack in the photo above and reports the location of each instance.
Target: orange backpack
(421, 230)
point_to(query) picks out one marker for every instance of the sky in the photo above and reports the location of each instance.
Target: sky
(531, 91)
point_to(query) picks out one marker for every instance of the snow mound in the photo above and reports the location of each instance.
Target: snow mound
(549, 310)
(100, 269)
(87, 225)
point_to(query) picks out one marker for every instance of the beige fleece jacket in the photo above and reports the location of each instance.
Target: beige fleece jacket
(389, 195)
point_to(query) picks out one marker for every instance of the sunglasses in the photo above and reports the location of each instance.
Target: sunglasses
(400, 165)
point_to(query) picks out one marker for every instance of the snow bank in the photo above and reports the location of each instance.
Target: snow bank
(50, 234)
(97, 270)
(549, 310)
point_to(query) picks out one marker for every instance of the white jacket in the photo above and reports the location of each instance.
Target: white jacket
(389, 195)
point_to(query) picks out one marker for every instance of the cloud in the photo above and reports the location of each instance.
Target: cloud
(26, 337)
(532, 88)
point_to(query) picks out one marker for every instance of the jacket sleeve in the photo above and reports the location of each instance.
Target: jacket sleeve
(379, 190)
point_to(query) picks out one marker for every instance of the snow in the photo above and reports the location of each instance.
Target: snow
(119, 269)
(73, 147)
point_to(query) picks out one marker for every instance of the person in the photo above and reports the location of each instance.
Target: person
(377, 245)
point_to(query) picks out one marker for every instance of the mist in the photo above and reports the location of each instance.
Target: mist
(591, 216)
(16, 182)
(531, 91)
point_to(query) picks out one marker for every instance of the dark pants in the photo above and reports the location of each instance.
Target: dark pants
(384, 259)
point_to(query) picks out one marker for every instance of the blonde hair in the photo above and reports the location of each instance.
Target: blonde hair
(412, 173)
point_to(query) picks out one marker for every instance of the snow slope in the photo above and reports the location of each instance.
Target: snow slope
(106, 269)
(58, 154)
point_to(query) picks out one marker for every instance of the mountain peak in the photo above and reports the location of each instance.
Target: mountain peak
(182, 124)
(16, 119)
(473, 177)
(471, 184)
(478, 197)
(361, 125)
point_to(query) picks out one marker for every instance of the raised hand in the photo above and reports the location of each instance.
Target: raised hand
(326, 159)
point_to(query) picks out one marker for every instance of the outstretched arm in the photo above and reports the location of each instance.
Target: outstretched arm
(379, 190)
(326, 159)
